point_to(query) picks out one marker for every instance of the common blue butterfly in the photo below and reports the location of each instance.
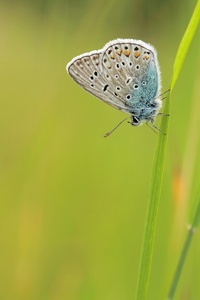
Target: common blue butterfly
(125, 74)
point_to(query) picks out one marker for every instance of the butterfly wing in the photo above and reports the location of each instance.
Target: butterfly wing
(86, 70)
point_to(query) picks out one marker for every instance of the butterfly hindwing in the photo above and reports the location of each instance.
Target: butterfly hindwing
(132, 69)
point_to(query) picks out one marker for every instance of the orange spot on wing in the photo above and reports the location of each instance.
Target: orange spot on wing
(146, 57)
(119, 52)
(127, 52)
(112, 56)
(137, 54)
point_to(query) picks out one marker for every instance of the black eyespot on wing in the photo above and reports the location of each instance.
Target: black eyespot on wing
(105, 87)
(153, 104)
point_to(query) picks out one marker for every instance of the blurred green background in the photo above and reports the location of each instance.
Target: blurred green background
(73, 203)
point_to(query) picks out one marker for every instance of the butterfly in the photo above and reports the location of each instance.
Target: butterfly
(124, 74)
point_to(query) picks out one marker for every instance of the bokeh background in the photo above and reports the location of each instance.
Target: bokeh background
(73, 203)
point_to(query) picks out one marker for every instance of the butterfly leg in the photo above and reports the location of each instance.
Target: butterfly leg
(163, 115)
(154, 126)
(164, 93)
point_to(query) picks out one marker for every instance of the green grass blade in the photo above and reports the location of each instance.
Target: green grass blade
(158, 166)
(185, 43)
(184, 253)
(152, 209)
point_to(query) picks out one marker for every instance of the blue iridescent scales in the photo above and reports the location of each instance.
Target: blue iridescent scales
(125, 74)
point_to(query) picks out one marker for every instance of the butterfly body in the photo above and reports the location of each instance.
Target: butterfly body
(124, 74)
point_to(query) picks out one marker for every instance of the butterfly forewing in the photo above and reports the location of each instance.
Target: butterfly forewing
(86, 70)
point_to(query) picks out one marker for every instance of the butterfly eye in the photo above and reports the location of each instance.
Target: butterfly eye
(135, 121)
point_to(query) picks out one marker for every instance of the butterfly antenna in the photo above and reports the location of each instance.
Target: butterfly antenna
(109, 133)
